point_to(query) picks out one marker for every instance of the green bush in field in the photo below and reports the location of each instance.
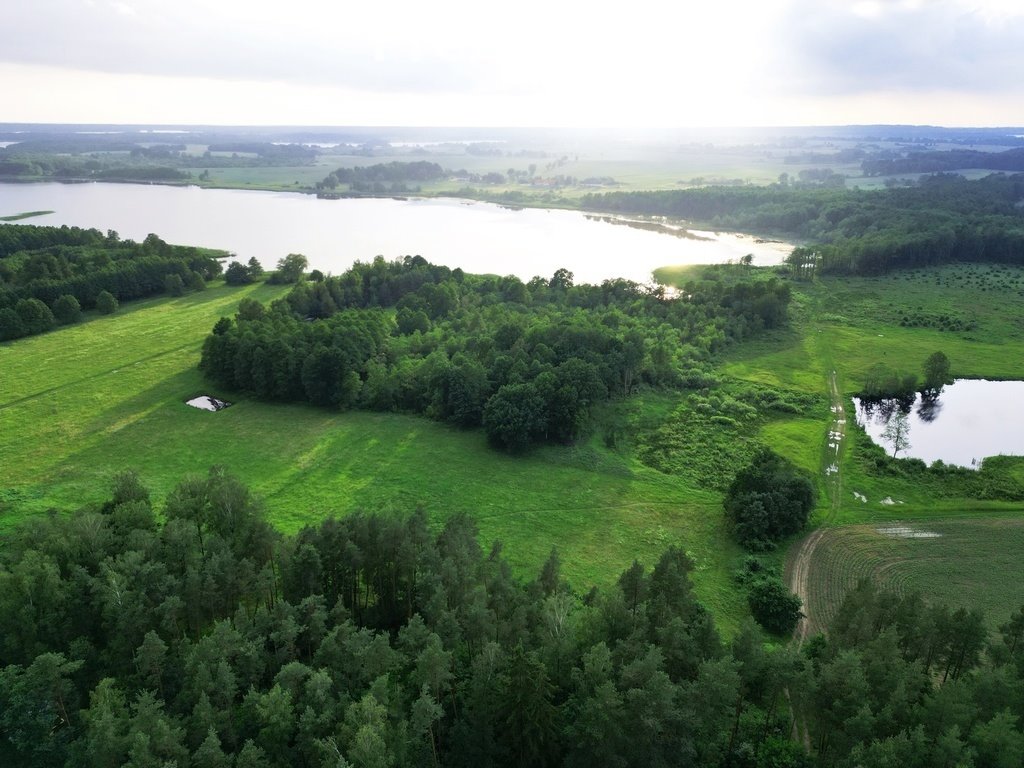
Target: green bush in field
(768, 500)
(174, 285)
(237, 274)
(67, 310)
(106, 303)
(36, 316)
(11, 325)
(773, 606)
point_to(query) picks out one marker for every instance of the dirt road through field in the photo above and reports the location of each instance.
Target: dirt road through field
(799, 563)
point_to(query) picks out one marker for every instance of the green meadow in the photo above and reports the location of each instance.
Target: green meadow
(846, 325)
(82, 402)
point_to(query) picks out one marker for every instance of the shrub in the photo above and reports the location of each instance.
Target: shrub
(174, 285)
(66, 309)
(106, 303)
(36, 316)
(237, 274)
(773, 606)
(768, 500)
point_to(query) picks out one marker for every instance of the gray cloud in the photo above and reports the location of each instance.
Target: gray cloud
(935, 46)
(810, 47)
(148, 37)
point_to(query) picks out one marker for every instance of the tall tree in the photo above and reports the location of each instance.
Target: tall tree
(897, 431)
(936, 372)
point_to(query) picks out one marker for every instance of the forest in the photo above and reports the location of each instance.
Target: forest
(887, 163)
(943, 219)
(48, 275)
(72, 157)
(187, 632)
(527, 361)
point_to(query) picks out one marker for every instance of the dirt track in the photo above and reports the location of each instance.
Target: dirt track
(798, 564)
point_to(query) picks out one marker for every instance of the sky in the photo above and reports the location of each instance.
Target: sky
(645, 63)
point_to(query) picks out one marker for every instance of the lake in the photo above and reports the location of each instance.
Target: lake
(972, 419)
(479, 237)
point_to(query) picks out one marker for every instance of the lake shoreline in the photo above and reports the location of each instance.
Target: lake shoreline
(486, 236)
(561, 204)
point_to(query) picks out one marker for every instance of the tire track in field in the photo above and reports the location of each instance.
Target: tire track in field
(798, 565)
(100, 374)
(798, 569)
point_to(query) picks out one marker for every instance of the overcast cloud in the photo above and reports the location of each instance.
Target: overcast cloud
(535, 62)
(911, 46)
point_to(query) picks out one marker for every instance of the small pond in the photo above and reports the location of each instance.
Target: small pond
(970, 419)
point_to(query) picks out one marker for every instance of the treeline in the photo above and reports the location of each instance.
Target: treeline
(373, 178)
(77, 159)
(270, 152)
(527, 361)
(890, 163)
(49, 274)
(943, 219)
(193, 634)
(137, 166)
(140, 173)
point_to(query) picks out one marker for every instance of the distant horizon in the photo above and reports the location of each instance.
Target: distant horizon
(481, 127)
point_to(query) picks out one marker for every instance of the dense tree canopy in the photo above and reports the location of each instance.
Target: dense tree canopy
(768, 500)
(945, 218)
(190, 633)
(528, 361)
(54, 265)
(382, 177)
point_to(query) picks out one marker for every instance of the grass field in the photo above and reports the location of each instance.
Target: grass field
(970, 312)
(969, 562)
(633, 166)
(79, 403)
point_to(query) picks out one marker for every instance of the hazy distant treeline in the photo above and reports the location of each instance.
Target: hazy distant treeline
(944, 218)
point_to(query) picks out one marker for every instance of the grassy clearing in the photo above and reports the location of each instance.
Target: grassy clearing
(79, 403)
(705, 437)
(970, 312)
(288, 178)
(632, 166)
(973, 563)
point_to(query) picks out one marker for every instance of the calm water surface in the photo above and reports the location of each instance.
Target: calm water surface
(971, 419)
(479, 237)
